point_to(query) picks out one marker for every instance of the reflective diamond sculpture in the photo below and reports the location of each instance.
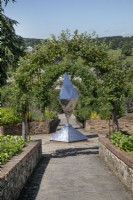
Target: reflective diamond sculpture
(68, 98)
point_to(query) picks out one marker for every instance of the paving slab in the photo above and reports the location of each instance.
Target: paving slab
(73, 171)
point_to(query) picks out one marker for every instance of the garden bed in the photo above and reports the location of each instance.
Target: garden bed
(35, 127)
(16, 171)
(120, 162)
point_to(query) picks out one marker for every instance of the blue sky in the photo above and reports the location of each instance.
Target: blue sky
(41, 18)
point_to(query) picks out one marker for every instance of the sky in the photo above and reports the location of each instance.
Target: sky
(41, 18)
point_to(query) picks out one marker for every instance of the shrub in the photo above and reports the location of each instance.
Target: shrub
(37, 116)
(124, 142)
(50, 115)
(82, 114)
(10, 146)
(126, 50)
(94, 115)
(8, 116)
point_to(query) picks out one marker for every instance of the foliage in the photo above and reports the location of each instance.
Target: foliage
(100, 79)
(124, 142)
(94, 115)
(54, 100)
(6, 1)
(116, 42)
(82, 114)
(8, 116)
(6, 93)
(37, 116)
(113, 42)
(11, 47)
(10, 146)
(126, 50)
(117, 53)
(114, 87)
(48, 115)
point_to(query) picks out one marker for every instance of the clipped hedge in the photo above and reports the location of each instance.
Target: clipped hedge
(8, 116)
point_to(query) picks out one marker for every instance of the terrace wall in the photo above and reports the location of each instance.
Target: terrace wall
(15, 172)
(120, 162)
(44, 127)
(102, 126)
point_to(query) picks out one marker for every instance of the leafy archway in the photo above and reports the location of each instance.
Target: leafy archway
(92, 70)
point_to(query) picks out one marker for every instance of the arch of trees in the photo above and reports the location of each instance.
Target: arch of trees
(101, 80)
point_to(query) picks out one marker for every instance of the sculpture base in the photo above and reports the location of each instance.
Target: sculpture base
(68, 134)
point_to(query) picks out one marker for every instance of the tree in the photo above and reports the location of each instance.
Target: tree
(114, 88)
(126, 50)
(11, 47)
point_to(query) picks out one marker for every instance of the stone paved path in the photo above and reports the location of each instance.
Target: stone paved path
(73, 171)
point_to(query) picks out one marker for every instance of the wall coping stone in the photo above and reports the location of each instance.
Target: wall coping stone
(122, 155)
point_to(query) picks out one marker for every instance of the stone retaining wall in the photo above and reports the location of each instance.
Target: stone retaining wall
(44, 127)
(15, 172)
(120, 162)
(102, 126)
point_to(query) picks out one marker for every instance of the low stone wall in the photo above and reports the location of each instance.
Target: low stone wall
(97, 126)
(102, 126)
(126, 125)
(120, 162)
(15, 173)
(44, 127)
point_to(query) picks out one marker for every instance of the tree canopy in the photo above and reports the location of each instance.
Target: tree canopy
(102, 81)
(11, 47)
(126, 50)
(99, 78)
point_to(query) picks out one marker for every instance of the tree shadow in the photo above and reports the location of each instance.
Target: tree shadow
(92, 136)
(61, 153)
(31, 188)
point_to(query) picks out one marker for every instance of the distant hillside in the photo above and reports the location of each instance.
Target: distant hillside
(31, 41)
(115, 42)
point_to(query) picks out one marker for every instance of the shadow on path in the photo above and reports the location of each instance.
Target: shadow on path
(32, 186)
(61, 153)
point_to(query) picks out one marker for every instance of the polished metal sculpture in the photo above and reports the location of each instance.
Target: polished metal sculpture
(68, 98)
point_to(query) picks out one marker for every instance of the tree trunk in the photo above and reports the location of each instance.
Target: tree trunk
(24, 125)
(115, 120)
(110, 128)
(43, 112)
